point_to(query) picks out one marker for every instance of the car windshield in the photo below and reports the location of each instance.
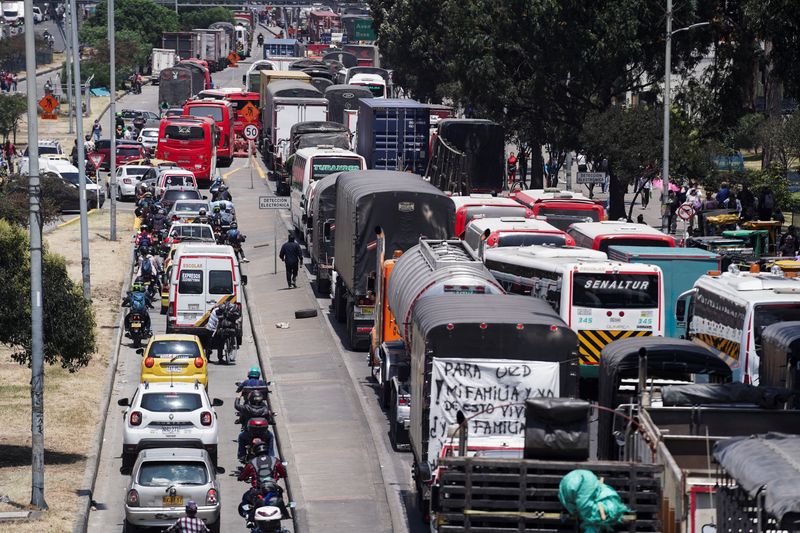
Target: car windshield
(185, 207)
(615, 291)
(164, 474)
(149, 133)
(166, 402)
(172, 181)
(71, 177)
(659, 243)
(492, 211)
(128, 151)
(177, 194)
(170, 348)
(184, 133)
(561, 211)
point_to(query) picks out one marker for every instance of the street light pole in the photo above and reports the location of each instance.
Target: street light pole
(35, 229)
(665, 155)
(68, 56)
(76, 74)
(112, 109)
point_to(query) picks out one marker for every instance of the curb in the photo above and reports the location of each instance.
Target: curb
(86, 490)
(269, 403)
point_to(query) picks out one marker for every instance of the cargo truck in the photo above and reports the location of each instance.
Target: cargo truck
(393, 134)
(320, 237)
(185, 43)
(406, 207)
(211, 48)
(161, 58)
(281, 48)
(432, 267)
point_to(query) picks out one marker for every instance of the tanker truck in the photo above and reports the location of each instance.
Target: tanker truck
(431, 267)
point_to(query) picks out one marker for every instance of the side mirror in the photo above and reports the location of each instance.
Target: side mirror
(216, 402)
(140, 351)
(285, 463)
(124, 402)
(244, 280)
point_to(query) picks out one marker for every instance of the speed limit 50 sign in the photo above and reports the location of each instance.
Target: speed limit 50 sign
(250, 132)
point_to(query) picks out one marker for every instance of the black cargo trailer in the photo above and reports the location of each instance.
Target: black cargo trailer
(342, 98)
(318, 133)
(323, 225)
(175, 86)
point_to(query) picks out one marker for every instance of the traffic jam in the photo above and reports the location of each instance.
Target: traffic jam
(520, 343)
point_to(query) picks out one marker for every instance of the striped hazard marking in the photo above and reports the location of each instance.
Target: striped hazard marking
(727, 349)
(592, 341)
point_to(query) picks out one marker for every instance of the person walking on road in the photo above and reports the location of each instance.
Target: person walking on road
(291, 254)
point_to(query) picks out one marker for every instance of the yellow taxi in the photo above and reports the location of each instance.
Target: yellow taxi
(174, 357)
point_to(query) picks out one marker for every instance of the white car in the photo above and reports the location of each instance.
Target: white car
(94, 192)
(128, 177)
(168, 415)
(149, 139)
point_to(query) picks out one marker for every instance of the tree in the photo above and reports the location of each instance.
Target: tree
(143, 17)
(69, 337)
(12, 108)
(14, 203)
(203, 18)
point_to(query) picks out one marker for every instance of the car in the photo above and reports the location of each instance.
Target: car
(128, 177)
(128, 152)
(38, 16)
(137, 117)
(169, 415)
(94, 193)
(173, 194)
(149, 139)
(187, 231)
(47, 146)
(176, 177)
(171, 358)
(173, 112)
(163, 480)
(187, 210)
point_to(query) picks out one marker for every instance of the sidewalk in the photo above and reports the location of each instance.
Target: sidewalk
(59, 129)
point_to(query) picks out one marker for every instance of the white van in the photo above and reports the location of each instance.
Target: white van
(312, 164)
(203, 276)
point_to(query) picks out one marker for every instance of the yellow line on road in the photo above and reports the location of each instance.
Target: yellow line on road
(77, 218)
(230, 172)
(261, 173)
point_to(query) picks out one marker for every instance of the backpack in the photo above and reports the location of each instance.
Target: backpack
(147, 267)
(138, 302)
(264, 467)
(144, 240)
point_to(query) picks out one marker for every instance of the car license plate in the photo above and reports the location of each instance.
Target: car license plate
(172, 501)
(174, 368)
(169, 429)
(194, 307)
(136, 324)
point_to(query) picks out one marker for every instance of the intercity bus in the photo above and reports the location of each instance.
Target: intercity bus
(191, 142)
(222, 113)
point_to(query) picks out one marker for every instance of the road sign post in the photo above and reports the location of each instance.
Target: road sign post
(588, 178)
(275, 203)
(250, 161)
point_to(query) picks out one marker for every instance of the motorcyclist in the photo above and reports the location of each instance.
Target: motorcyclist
(119, 122)
(189, 523)
(255, 406)
(253, 380)
(139, 302)
(216, 217)
(148, 267)
(260, 39)
(159, 220)
(267, 492)
(235, 239)
(511, 166)
(222, 193)
(202, 217)
(144, 238)
(145, 202)
(223, 322)
(262, 466)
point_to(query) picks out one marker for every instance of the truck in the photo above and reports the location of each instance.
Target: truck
(406, 207)
(281, 48)
(228, 38)
(393, 134)
(680, 267)
(429, 268)
(474, 362)
(321, 234)
(13, 13)
(211, 48)
(322, 23)
(468, 156)
(161, 58)
(185, 43)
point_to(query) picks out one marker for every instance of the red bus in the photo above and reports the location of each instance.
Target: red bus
(469, 208)
(222, 113)
(191, 142)
(561, 208)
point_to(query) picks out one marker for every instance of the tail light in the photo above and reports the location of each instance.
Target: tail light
(402, 401)
(212, 497)
(149, 362)
(198, 362)
(239, 307)
(171, 309)
(133, 498)
(136, 418)
(365, 301)
(126, 181)
(205, 418)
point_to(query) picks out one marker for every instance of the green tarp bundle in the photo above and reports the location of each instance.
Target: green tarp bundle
(597, 506)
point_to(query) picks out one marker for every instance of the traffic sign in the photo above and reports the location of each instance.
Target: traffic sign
(274, 202)
(590, 177)
(48, 104)
(251, 132)
(250, 112)
(97, 159)
(686, 211)
(233, 58)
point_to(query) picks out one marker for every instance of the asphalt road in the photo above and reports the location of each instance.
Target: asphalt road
(342, 470)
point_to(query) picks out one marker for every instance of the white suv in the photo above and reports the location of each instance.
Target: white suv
(169, 415)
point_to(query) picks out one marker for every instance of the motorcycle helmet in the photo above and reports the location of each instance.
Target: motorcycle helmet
(137, 286)
(202, 212)
(148, 194)
(191, 508)
(162, 211)
(234, 225)
(144, 227)
(254, 372)
(260, 449)
(216, 209)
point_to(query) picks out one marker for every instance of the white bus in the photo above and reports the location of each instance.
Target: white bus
(601, 300)
(728, 312)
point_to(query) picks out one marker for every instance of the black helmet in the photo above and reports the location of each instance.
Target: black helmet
(260, 449)
(191, 508)
(234, 225)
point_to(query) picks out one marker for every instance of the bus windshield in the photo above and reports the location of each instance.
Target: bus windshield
(212, 111)
(561, 211)
(322, 166)
(633, 241)
(184, 133)
(527, 239)
(615, 291)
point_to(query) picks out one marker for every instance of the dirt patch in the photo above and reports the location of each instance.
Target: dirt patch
(71, 400)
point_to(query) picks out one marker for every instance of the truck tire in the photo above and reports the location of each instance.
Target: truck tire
(305, 313)
(130, 528)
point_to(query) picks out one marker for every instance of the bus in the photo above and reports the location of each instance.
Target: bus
(191, 142)
(727, 313)
(475, 206)
(513, 231)
(375, 83)
(222, 113)
(562, 208)
(601, 300)
(601, 235)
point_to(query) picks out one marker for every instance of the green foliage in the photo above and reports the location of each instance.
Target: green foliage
(778, 22)
(12, 108)
(773, 177)
(203, 18)
(142, 17)
(14, 199)
(746, 134)
(69, 338)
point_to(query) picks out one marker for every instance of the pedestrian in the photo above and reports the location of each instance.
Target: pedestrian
(788, 243)
(674, 204)
(523, 167)
(128, 135)
(97, 129)
(640, 219)
(645, 187)
(766, 204)
(291, 254)
(723, 194)
(748, 203)
(14, 81)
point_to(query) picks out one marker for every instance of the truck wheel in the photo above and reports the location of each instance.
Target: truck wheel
(323, 287)
(130, 528)
(385, 395)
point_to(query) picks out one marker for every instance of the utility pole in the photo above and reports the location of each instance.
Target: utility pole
(35, 229)
(112, 109)
(665, 154)
(68, 54)
(76, 66)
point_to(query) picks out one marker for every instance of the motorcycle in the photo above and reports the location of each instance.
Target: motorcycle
(267, 517)
(136, 330)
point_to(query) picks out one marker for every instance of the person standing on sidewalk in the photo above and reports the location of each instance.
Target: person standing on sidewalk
(523, 167)
(291, 254)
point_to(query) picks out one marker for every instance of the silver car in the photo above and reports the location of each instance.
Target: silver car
(149, 139)
(163, 480)
(187, 210)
